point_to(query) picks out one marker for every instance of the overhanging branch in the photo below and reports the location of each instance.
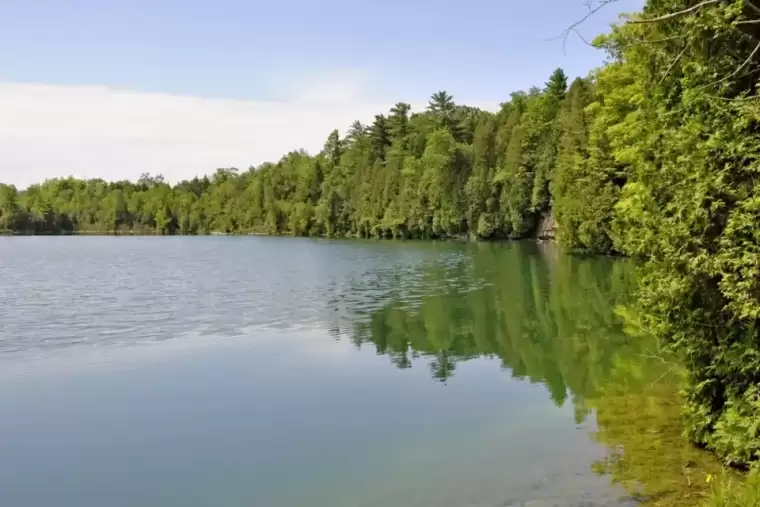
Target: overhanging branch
(674, 14)
(673, 64)
(651, 41)
(752, 6)
(574, 27)
(738, 69)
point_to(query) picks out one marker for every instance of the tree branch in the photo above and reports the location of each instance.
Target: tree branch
(739, 99)
(661, 377)
(574, 27)
(581, 37)
(653, 41)
(752, 6)
(672, 64)
(738, 69)
(674, 14)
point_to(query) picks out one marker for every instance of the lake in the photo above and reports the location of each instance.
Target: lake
(284, 372)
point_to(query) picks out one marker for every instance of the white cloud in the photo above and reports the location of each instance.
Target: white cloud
(340, 86)
(98, 132)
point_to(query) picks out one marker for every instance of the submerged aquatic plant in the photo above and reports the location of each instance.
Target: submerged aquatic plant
(649, 454)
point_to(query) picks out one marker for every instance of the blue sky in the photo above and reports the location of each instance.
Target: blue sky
(480, 49)
(287, 51)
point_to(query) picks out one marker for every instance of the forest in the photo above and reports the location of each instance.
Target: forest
(654, 155)
(449, 171)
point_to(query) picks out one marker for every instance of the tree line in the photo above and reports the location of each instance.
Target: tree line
(451, 170)
(655, 155)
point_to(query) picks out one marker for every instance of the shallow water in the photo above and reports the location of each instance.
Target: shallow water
(278, 372)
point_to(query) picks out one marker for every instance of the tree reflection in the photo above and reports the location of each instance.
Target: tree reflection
(548, 317)
(563, 322)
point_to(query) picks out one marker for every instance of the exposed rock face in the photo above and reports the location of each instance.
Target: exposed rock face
(547, 227)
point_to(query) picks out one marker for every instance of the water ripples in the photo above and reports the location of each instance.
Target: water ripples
(83, 292)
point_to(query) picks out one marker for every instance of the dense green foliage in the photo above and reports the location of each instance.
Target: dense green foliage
(449, 171)
(656, 155)
(679, 119)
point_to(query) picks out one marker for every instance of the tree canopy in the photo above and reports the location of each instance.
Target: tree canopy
(450, 170)
(668, 174)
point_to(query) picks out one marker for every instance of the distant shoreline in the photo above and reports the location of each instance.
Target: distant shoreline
(463, 238)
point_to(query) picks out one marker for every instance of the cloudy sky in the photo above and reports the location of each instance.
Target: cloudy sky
(115, 88)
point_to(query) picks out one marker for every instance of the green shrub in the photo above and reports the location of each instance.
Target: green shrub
(737, 430)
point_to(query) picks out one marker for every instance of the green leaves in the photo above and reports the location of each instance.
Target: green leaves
(667, 126)
(451, 170)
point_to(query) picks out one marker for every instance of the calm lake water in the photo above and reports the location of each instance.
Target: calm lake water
(281, 372)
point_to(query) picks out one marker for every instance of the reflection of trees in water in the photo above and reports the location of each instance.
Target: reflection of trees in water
(548, 317)
(553, 319)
